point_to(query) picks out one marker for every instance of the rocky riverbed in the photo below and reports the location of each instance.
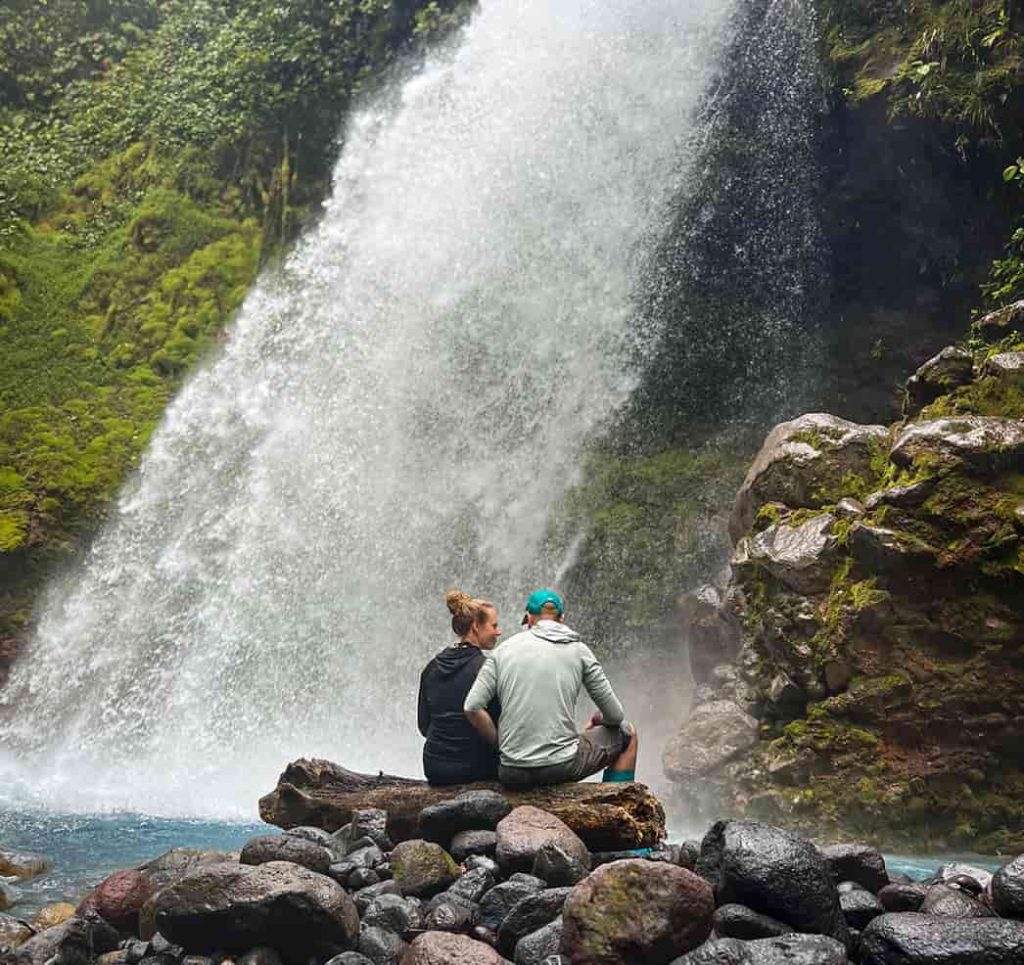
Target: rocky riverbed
(488, 882)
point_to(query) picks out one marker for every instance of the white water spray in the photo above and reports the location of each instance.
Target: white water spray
(393, 413)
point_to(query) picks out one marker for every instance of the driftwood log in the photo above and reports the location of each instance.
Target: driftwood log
(317, 793)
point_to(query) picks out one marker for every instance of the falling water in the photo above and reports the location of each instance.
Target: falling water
(394, 412)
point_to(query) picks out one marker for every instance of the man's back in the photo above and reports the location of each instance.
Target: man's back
(537, 676)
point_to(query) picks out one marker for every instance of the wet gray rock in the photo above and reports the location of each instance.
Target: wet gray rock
(173, 865)
(473, 862)
(479, 810)
(857, 862)
(451, 916)
(802, 556)
(910, 938)
(234, 907)
(528, 915)
(774, 872)
(394, 914)
(361, 878)
(350, 958)
(538, 947)
(13, 932)
(367, 857)
(260, 956)
(371, 823)
(365, 896)
(1008, 889)
(500, 900)
(713, 734)
(946, 902)
(984, 442)
(467, 843)
(1001, 322)
(739, 921)
(473, 885)
(957, 869)
(903, 896)
(783, 950)
(380, 946)
(318, 836)
(940, 375)
(859, 907)
(282, 847)
(526, 830)
(802, 462)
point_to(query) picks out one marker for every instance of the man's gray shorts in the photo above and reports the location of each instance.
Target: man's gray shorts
(598, 747)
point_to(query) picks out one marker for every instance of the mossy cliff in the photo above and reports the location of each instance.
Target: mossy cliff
(152, 156)
(863, 671)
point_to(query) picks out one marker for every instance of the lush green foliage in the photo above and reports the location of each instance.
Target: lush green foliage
(151, 155)
(648, 527)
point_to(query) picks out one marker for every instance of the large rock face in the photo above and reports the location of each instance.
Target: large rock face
(877, 675)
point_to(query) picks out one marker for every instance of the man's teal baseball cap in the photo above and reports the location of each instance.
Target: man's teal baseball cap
(539, 599)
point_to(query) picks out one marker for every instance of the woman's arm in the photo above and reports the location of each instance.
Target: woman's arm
(423, 708)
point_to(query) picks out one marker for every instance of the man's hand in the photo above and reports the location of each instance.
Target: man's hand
(483, 724)
(596, 719)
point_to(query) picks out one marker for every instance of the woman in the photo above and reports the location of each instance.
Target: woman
(454, 753)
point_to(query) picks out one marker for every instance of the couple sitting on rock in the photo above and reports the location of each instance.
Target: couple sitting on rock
(510, 714)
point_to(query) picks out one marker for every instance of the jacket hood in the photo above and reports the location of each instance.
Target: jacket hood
(452, 659)
(554, 632)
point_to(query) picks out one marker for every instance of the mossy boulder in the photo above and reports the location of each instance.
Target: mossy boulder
(905, 645)
(422, 868)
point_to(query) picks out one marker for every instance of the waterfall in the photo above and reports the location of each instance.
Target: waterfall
(394, 411)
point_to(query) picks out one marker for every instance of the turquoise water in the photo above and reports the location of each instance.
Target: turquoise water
(84, 849)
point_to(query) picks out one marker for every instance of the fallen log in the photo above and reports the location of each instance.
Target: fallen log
(317, 793)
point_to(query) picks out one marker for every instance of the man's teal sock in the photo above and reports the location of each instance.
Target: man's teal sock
(618, 777)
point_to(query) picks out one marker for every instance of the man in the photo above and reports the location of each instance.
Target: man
(537, 677)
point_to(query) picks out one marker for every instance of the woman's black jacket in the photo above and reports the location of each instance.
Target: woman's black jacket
(454, 752)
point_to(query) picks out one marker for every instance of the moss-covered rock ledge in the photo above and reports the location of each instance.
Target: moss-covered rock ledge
(863, 671)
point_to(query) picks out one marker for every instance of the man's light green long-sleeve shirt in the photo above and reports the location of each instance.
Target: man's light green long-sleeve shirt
(537, 676)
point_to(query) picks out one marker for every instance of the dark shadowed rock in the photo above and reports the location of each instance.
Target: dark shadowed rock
(543, 946)
(364, 896)
(915, 939)
(118, 899)
(451, 915)
(422, 868)
(940, 375)
(526, 830)
(784, 950)
(1008, 889)
(557, 867)
(857, 862)
(472, 811)
(602, 928)
(739, 921)
(381, 946)
(775, 872)
(74, 942)
(529, 914)
(501, 899)
(711, 632)
(439, 948)
(859, 907)
(236, 907)
(946, 902)
(957, 871)
(714, 733)
(903, 896)
(467, 843)
(260, 956)
(282, 847)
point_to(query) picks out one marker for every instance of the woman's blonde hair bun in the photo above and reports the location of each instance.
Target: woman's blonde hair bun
(458, 602)
(465, 611)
